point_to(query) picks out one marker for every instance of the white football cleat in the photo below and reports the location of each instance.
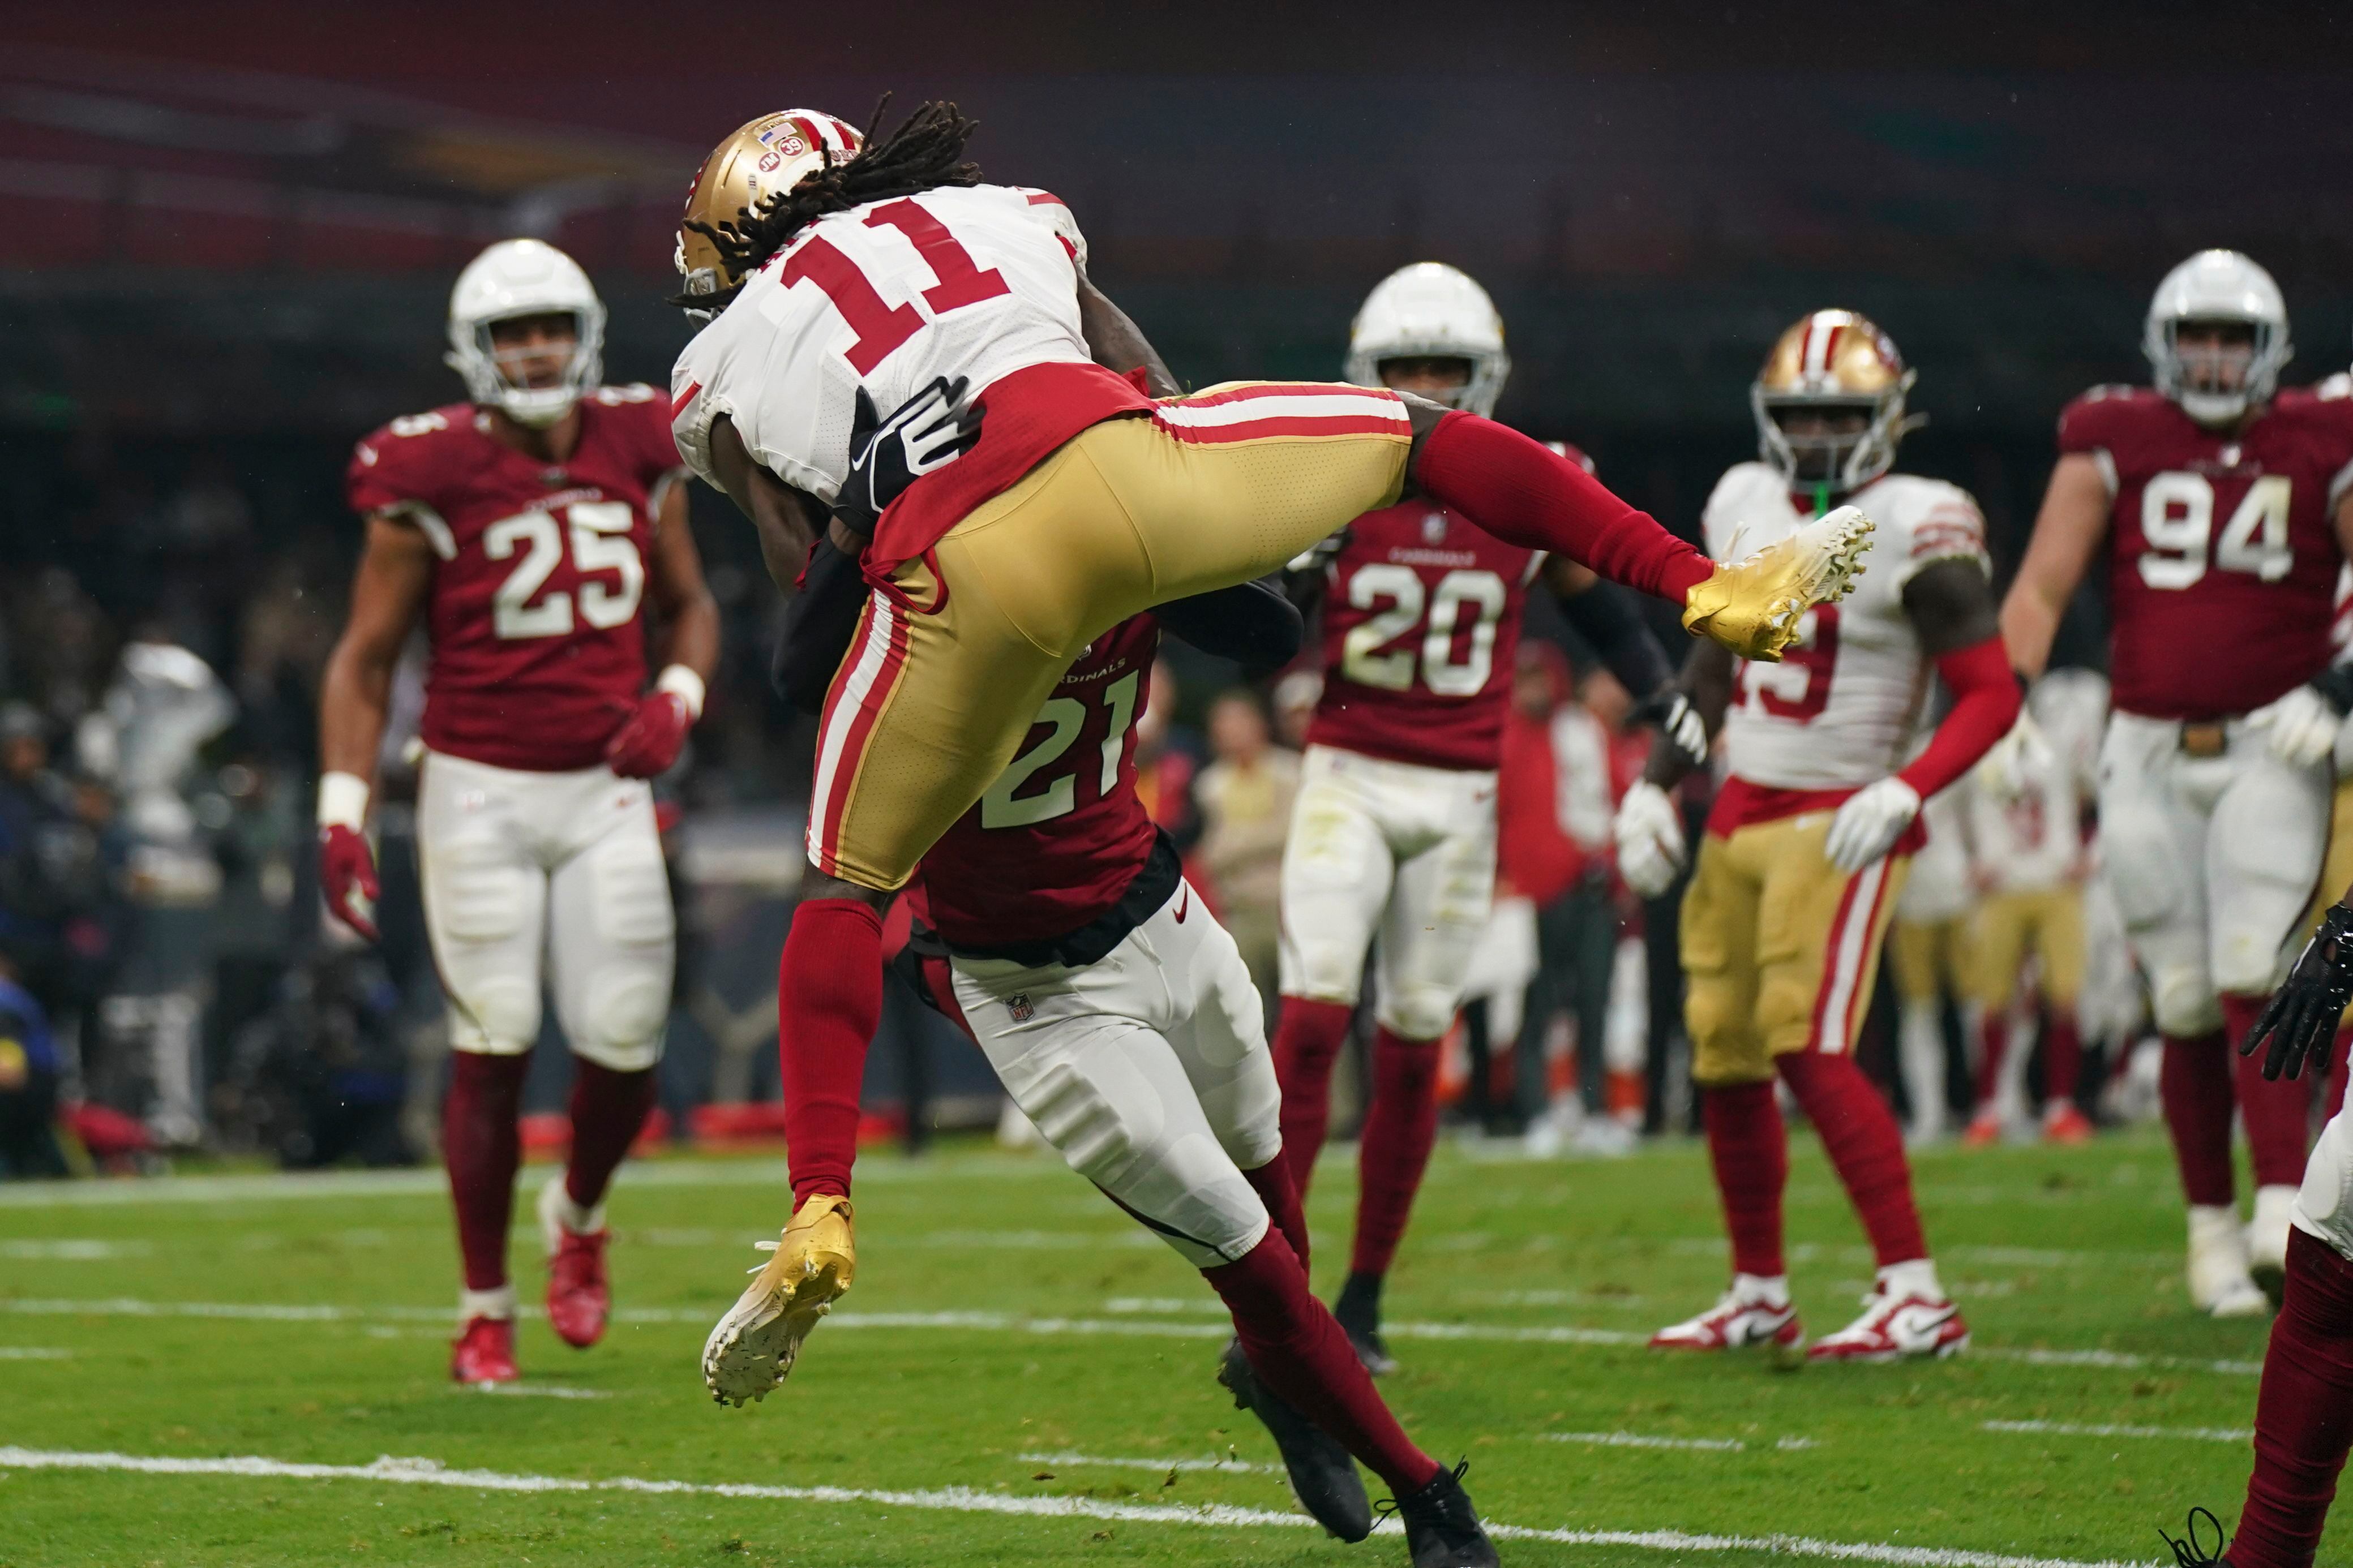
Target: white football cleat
(2267, 1240)
(1895, 1327)
(754, 1345)
(2220, 1282)
(1742, 1316)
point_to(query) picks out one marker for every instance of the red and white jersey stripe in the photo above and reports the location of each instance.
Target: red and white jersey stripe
(1256, 411)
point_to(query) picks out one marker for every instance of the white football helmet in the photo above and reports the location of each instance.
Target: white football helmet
(1435, 310)
(2218, 285)
(523, 277)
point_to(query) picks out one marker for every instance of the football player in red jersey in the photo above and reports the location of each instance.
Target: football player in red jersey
(532, 529)
(2222, 505)
(1393, 833)
(1122, 1020)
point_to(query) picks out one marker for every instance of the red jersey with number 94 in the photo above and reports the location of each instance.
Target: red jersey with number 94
(1421, 618)
(539, 572)
(2222, 558)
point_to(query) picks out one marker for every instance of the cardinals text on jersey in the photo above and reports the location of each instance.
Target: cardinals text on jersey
(1840, 710)
(2217, 541)
(1421, 617)
(538, 571)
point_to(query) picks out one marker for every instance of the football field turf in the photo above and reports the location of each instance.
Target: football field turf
(252, 1371)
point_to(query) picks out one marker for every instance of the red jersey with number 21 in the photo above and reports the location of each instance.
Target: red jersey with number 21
(539, 572)
(2222, 556)
(1422, 619)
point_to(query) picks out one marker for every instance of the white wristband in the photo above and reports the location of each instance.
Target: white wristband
(342, 801)
(685, 684)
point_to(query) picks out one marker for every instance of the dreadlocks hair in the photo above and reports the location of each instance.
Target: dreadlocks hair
(923, 152)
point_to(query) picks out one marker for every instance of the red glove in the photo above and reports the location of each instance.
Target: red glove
(347, 867)
(649, 742)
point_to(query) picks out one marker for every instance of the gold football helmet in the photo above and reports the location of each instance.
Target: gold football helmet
(761, 161)
(1834, 364)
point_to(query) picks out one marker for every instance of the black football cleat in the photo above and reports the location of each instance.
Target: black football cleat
(1323, 1476)
(1358, 1313)
(2189, 1553)
(1441, 1528)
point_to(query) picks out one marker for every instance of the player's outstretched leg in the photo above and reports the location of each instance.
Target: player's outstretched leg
(609, 1109)
(830, 1002)
(1907, 1313)
(1393, 1153)
(482, 1146)
(1748, 1151)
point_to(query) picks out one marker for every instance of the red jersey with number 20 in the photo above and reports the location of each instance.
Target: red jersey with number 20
(1422, 619)
(1056, 840)
(539, 572)
(2223, 557)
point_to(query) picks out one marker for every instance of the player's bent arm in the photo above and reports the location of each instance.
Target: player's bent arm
(785, 521)
(2067, 534)
(1950, 605)
(1251, 623)
(1117, 343)
(388, 591)
(819, 621)
(1606, 616)
(689, 616)
(1706, 681)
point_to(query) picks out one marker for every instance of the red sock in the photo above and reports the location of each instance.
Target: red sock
(2337, 1050)
(609, 1109)
(2304, 1415)
(2276, 1110)
(1276, 1189)
(1400, 1129)
(1293, 1344)
(1750, 1149)
(1307, 1041)
(829, 1003)
(1525, 494)
(2063, 1054)
(1993, 1044)
(1865, 1147)
(2194, 1085)
(482, 1146)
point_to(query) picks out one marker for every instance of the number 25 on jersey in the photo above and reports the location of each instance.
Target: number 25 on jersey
(599, 537)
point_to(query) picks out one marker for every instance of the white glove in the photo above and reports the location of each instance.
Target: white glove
(2012, 764)
(1650, 840)
(2300, 726)
(1870, 823)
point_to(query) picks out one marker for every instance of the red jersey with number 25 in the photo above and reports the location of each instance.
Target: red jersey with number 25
(2222, 558)
(539, 572)
(1059, 836)
(1421, 618)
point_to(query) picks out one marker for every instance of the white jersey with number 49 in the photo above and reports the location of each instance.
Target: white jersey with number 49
(1840, 709)
(975, 282)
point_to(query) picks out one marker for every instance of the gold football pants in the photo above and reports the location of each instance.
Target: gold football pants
(944, 677)
(2047, 923)
(1780, 946)
(1930, 958)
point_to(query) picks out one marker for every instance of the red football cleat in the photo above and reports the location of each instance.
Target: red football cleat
(2063, 1123)
(579, 1295)
(1893, 1328)
(485, 1351)
(1984, 1130)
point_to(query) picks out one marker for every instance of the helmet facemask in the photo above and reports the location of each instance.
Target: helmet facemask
(504, 377)
(1851, 442)
(1431, 311)
(2215, 367)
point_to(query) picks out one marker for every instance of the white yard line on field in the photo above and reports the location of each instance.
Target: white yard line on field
(965, 1500)
(1996, 1256)
(2071, 1429)
(1229, 1466)
(1643, 1440)
(535, 1390)
(73, 1251)
(33, 1353)
(2117, 1360)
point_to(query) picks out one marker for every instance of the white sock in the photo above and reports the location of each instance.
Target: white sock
(1916, 1278)
(1922, 1042)
(497, 1303)
(1773, 1290)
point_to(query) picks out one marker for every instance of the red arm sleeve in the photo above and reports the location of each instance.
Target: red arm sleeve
(1526, 495)
(1985, 705)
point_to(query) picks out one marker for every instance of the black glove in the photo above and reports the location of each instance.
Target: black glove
(1677, 720)
(2301, 1017)
(929, 431)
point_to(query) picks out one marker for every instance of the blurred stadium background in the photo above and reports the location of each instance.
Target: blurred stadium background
(228, 234)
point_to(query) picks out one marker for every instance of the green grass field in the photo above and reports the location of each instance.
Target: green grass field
(1022, 1377)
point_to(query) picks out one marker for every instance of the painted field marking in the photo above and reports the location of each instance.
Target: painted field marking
(1643, 1440)
(535, 1390)
(73, 1251)
(33, 1353)
(2117, 1360)
(1189, 1305)
(965, 1499)
(1227, 1466)
(1998, 1257)
(2071, 1429)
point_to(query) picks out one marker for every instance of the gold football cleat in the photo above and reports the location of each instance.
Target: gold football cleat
(1753, 606)
(753, 1346)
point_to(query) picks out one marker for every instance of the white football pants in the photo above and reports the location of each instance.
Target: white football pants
(1392, 848)
(2213, 861)
(553, 876)
(1147, 1070)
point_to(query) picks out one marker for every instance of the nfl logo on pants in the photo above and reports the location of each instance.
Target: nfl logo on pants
(1020, 1009)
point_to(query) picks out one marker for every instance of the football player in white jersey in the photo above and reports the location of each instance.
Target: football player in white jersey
(1808, 841)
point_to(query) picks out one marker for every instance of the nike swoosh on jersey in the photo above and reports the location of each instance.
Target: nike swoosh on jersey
(1184, 906)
